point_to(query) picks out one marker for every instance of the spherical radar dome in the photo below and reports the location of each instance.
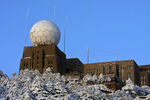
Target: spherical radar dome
(44, 32)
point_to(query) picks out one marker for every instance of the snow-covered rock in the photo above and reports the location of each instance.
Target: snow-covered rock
(135, 90)
(31, 85)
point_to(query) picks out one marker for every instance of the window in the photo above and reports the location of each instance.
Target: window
(43, 54)
(129, 67)
(118, 71)
(104, 70)
(37, 62)
(129, 75)
(90, 71)
(122, 69)
(38, 52)
(110, 69)
(49, 62)
(32, 55)
(24, 64)
(123, 78)
(144, 80)
(141, 79)
(98, 70)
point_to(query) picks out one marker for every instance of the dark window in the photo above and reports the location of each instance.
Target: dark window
(43, 55)
(144, 80)
(49, 62)
(110, 69)
(129, 67)
(122, 69)
(32, 55)
(92, 73)
(98, 70)
(118, 71)
(37, 52)
(123, 78)
(24, 64)
(129, 75)
(43, 59)
(103, 69)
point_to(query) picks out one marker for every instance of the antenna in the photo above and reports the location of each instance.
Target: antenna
(70, 56)
(65, 34)
(54, 14)
(26, 25)
(88, 55)
(116, 57)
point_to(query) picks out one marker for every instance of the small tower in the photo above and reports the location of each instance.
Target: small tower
(45, 36)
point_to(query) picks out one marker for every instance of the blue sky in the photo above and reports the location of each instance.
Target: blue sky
(107, 27)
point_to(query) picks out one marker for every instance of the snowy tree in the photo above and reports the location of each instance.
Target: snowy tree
(31, 85)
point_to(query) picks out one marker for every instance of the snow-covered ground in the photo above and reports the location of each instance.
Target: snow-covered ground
(31, 85)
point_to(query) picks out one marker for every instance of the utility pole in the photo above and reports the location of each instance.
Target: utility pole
(116, 57)
(65, 34)
(26, 25)
(87, 55)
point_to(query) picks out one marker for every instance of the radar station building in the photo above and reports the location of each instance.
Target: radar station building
(44, 53)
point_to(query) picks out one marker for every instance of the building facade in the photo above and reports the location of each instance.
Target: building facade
(43, 56)
(144, 75)
(122, 69)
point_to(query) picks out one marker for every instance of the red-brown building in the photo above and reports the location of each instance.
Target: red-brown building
(144, 75)
(122, 69)
(44, 56)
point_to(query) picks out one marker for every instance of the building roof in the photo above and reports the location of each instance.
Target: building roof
(74, 64)
(144, 66)
(114, 61)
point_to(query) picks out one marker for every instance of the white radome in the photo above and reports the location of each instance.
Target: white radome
(44, 32)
